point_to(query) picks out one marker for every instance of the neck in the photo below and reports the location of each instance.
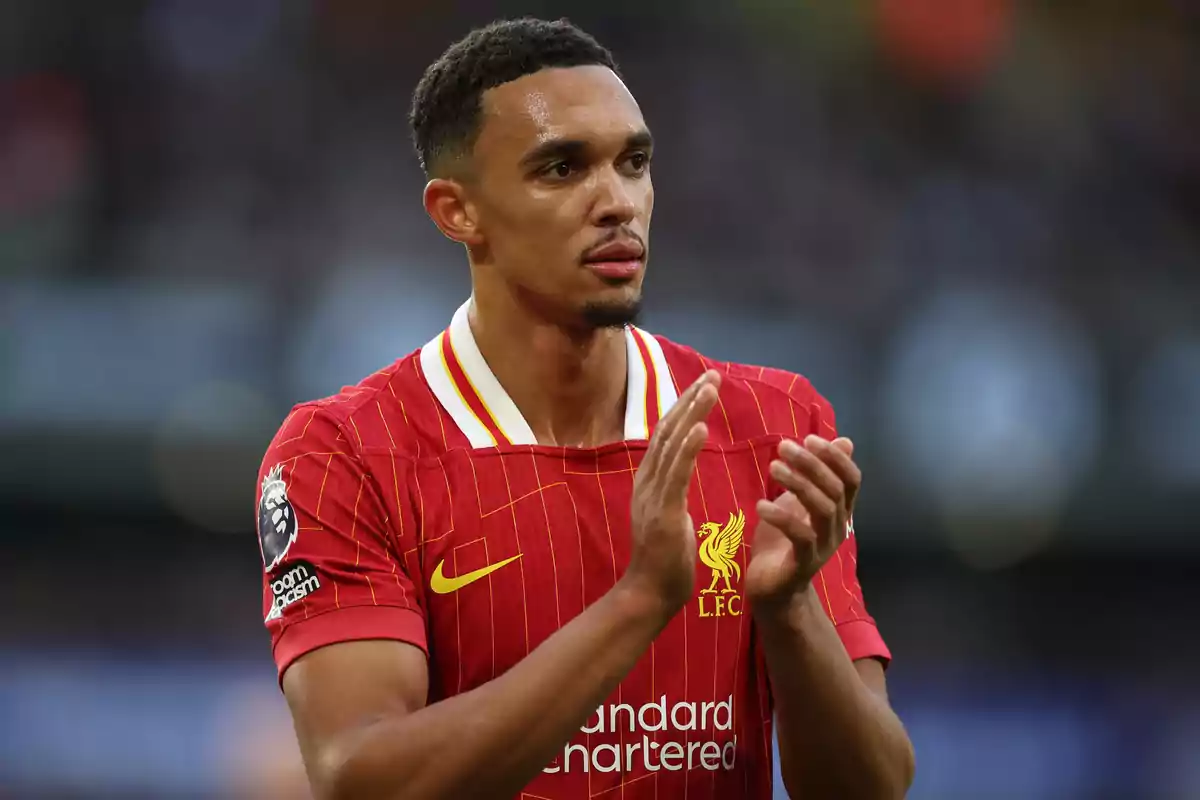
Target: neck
(569, 385)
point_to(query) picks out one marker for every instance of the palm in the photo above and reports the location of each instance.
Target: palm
(774, 567)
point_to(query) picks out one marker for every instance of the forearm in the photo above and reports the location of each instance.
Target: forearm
(837, 738)
(492, 741)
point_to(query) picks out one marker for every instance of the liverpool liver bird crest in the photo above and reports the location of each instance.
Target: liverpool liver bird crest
(719, 550)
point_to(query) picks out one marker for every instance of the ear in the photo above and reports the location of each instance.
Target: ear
(447, 205)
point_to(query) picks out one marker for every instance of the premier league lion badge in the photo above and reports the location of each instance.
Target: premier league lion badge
(277, 525)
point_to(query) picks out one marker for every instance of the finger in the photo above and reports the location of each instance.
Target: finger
(838, 456)
(820, 506)
(669, 425)
(679, 476)
(653, 459)
(702, 405)
(682, 463)
(799, 532)
(811, 466)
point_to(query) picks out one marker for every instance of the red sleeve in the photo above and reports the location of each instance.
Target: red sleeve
(841, 595)
(332, 571)
(837, 582)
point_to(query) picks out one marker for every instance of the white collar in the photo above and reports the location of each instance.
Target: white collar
(468, 389)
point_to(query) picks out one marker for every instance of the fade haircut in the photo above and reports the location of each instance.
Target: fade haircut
(447, 103)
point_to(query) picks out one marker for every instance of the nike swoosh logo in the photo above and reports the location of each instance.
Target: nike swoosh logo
(440, 584)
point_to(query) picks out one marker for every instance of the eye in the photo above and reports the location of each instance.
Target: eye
(560, 169)
(639, 161)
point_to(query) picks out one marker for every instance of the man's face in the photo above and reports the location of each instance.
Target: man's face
(563, 193)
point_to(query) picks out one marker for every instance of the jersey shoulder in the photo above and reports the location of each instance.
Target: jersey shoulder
(758, 400)
(388, 409)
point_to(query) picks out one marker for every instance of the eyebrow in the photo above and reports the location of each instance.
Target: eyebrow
(566, 149)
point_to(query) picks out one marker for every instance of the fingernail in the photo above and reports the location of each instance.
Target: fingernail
(789, 449)
(812, 440)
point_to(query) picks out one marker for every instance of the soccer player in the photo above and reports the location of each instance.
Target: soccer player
(550, 555)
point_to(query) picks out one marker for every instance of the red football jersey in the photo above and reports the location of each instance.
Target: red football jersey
(417, 506)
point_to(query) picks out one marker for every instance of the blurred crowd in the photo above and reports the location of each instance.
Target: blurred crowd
(973, 220)
(974, 224)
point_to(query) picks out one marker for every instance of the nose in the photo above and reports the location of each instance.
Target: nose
(615, 202)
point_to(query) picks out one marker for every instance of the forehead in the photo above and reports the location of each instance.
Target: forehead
(581, 103)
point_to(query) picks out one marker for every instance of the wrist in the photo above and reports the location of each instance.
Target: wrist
(790, 613)
(642, 601)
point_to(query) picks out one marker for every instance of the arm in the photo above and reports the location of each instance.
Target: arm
(838, 736)
(364, 729)
(360, 707)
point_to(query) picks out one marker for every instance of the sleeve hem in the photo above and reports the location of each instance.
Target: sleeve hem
(348, 624)
(862, 640)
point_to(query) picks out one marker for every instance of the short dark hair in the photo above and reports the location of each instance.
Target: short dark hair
(446, 105)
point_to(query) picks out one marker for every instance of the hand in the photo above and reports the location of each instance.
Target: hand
(803, 528)
(664, 549)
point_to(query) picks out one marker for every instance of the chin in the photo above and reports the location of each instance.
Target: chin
(612, 312)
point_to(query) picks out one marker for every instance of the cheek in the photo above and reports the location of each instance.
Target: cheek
(536, 239)
(536, 213)
(553, 226)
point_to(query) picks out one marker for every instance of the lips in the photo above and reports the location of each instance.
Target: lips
(622, 251)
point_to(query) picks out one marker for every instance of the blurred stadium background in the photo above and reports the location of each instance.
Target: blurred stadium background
(973, 224)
